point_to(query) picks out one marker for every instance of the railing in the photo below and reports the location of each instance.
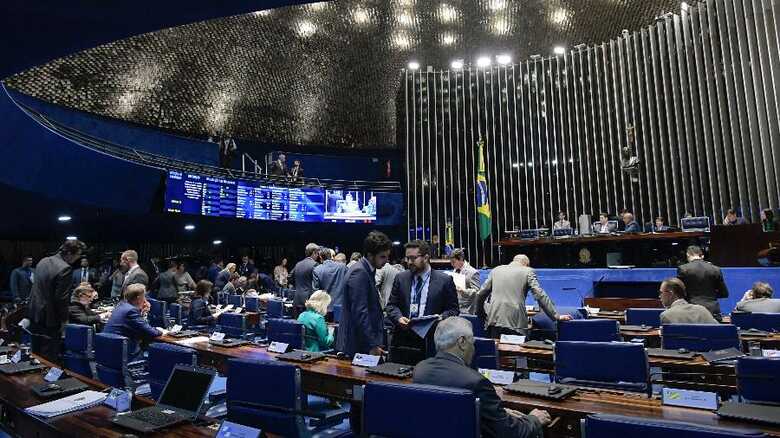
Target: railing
(256, 173)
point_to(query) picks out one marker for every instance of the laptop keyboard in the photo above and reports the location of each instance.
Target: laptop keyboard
(155, 417)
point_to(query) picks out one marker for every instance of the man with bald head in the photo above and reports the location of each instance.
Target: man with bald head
(506, 288)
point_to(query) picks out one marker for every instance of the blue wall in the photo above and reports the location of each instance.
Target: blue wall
(567, 287)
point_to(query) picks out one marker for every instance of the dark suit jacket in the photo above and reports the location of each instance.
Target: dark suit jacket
(703, 283)
(93, 278)
(448, 370)
(246, 272)
(126, 320)
(79, 314)
(442, 297)
(138, 276)
(167, 285)
(303, 274)
(50, 296)
(361, 324)
(633, 227)
(278, 168)
(200, 314)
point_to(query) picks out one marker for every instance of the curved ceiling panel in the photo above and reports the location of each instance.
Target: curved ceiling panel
(316, 74)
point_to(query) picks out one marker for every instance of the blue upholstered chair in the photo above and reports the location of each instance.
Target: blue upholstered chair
(235, 300)
(769, 322)
(251, 304)
(421, 403)
(757, 379)
(600, 425)
(234, 325)
(158, 313)
(268, 395)
(162, 359)
(616, 365)
(288, 331)
(542, 327)
(78, 349)
(592, 330)
(699, 337)
(275, 309)
(176, 314)
(477, 325)
(648, 317)
(111, 359)
(485, 354)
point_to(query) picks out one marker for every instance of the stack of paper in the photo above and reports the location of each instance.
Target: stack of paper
(75, 402)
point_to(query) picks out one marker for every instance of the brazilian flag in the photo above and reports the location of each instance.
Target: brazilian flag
(483, 206)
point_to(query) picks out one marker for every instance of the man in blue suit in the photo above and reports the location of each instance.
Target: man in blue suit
(329, 276)
(361, 325)
(128, 320)
(420, 291)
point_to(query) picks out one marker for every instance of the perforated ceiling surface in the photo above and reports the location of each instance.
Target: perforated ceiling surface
(318, 74)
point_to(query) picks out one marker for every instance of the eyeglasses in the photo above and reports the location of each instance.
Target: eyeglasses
(413, 258)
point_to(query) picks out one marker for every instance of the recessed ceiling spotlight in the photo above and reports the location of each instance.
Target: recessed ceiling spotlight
(71, 238)
(217, 242)
(503, 59)
(64, 218)
(559, 50)
(414, 65)
(457, 64)
(483, 61)
(189, 227)
(306, 29)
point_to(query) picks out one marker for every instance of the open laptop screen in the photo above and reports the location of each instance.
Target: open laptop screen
(186, 389)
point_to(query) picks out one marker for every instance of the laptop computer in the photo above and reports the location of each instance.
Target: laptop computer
(62, 387)
(184, 334)
(551, 391)
(753, 412)
(229, 342)
(21, 367)
(180, 401)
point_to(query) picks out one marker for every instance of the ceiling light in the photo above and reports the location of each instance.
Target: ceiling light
(361, 16)
(448, 39)
(503, 59)
(397, 242)
(559, 50)
(217, 242)
(71, 238)
(515, 165)
(414, 65)
(262, 13)
(559, 16)
(496, 5)
(189, 227)
(405, 19)
(447, 13)
(483, 61)
(306, 29)
(64, 218)
(457, 64)
(402, 41)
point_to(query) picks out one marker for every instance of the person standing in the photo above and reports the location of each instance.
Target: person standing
(134, 275)
(183, 279)
(303, 275)
(246, 268)
(167, 290)
(50, 298)
(329, 276)
(279, 166)
(385, 277)
(466, 297)
(84, 274)
(216, 265)
(507, 287)
(703, 281)
(280, 273)
(21, 280)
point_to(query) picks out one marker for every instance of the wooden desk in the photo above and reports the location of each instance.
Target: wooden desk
(598, 238)
(15, 396)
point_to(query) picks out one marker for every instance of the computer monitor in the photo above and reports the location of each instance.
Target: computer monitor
(529, 234)
(560, 232)
(187, 388)
(695, 223)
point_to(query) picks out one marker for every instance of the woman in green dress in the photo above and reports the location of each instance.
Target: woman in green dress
(317, 337)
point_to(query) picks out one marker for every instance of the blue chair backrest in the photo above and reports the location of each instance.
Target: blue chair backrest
(287, 331)
(251, 304)
(761, 321)
(485, 354)
(232, 324)
(757, 379)
(275, 309)
(545, 328)
(601, 425)
(593, 330)
(619, 365)
(700, 337)
(337, 312)
(111, 359)
(266, 395)
(158, 313)
(78, 338)
(458, 405)
(648, 317)
(236, 300)
(477, 325)
(175, 312)
(162, 359)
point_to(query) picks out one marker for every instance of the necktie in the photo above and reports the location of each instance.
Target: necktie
(84, 275)
(416, 298)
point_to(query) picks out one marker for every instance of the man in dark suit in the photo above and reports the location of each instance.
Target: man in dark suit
(134, 274)
(361, 325)
(21, 280)
(279, 166)
(703, 281)
(419, 291)
(50, 298)
(214, 269)
(128, 320)
(303, 275)
(166, 284)
(246, 267)
(454, 339)
(329, 276)
(84, 274)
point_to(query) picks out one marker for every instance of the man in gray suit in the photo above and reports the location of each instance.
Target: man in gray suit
(329, 276)
(759, 300)
(134, 273)
(703, 281)
(303, 275)
(466, 297)
(679, 311)
(507, 287)
(167, 284)
(385, 276)
(50, 299)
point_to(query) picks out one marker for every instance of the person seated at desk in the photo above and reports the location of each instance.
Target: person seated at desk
(454, 339)
(200, 314)
(316, 336)
(659, 226)
(562, 223)
(603, 226)
(231, 286)
(732, 219)
(79, 311)
(631, 225)
(679, 311)
(768, 221)
(759, 300)
(128, 320)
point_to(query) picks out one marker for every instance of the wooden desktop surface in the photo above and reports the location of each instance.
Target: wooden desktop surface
(599, 238)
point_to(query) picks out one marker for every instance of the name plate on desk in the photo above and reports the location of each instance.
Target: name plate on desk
(235, 430)
(217, 336)
(770, 353)
(53, 375)
(17, 357)
(238, 310)
(512, 339)
(119, 400)
(175, 329)
(365, 360)
(690, 399)
(498, 377)
(4, 359)
(593, 310)
(278, 347)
